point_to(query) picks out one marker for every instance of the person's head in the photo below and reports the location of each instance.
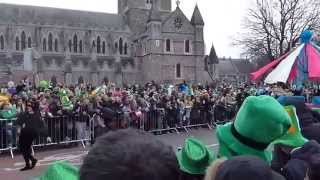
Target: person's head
(313, 172)
(6, 106)
(29, 107)
(130, 155)
(242, 167)
(194, 159)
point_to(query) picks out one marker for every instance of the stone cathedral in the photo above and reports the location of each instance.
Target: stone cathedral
(146, 40)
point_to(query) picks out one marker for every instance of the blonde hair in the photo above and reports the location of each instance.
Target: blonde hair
(214, 168)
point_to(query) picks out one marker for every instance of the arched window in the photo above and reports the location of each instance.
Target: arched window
(187, 46)
(93, 44)
(103, 47)
(80, 46)
(168, 45)
(98, 45)
(44, 45)
(120, 46)
(116, 45)
(178, 71)
(70, 45)
(23, 40)
(29, 42)
(56, 45)
(75, 43)
(50, 43)
(17, 43)
(1, 42)
(125, 48)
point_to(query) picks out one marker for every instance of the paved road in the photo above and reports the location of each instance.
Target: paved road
(9, 168)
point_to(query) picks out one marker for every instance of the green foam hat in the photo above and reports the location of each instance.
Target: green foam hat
(44, 84)
(195, 157)
(293, 137)
(60, 171)
(260, 121)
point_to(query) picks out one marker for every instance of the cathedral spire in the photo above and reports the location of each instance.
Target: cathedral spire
(197, 17)
(213, 58)
(154, 13)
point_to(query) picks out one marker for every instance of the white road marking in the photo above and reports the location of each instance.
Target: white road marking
(74, 158)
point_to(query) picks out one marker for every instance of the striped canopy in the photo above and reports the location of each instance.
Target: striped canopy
(299, 65)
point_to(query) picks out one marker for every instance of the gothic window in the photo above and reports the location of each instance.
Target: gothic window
(75, 43)
(168, 45)
(1, 42)
(125, 48)
(104, 47)
(178, 71)
(187, 46)
(98, 45)
(23, 40)
(29, 42)
(116, 45)
(44, 45)
(80, 46)
(17, 43)
(93, 44)
(70, 46)
(50, 43)
(120, 46)
(56, 45)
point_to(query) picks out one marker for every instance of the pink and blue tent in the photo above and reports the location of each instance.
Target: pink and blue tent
(297, 66)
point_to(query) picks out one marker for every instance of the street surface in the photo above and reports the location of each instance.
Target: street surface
(9, 168)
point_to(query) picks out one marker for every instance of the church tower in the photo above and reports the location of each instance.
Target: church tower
(154, 27)
(198, 23)
(137, 12)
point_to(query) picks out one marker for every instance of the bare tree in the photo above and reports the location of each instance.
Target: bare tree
(273, 27)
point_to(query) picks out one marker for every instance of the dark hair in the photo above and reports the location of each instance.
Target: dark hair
(130, 155)
(314, 167)
(186, 176)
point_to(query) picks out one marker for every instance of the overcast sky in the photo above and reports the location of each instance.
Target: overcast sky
(223, 18)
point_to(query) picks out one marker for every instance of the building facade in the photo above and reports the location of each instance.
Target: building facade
(146, 40)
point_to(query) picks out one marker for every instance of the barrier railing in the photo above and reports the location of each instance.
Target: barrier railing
(59, 130)
(75, 128)
(8, 135)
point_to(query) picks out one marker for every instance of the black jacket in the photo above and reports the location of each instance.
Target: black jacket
(32, 123)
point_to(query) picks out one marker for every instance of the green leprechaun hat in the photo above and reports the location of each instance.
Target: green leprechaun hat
(195, 157)
(259, 122)
(293, 137)
(61, 171)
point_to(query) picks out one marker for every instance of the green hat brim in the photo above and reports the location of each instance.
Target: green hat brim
(231, 146)
(61, 170)
(296, 140)
(292, 140)
(195, 170)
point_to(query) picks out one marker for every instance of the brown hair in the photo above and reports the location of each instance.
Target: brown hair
(213, 169)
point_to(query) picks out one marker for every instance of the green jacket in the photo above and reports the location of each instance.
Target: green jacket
(8, 114)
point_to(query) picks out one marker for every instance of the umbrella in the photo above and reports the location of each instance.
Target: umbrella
(299, 65)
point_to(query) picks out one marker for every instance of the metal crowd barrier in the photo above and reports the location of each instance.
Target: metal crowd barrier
(159, 120)
(59, 130)
(71, 129)
(8, 135)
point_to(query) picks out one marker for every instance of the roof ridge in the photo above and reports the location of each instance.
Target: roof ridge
(57, 8)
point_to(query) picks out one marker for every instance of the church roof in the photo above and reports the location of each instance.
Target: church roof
(234, 66)
(197, 17)
(10, 13)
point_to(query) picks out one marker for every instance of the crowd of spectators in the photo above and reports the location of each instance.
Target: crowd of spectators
(149, 107)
